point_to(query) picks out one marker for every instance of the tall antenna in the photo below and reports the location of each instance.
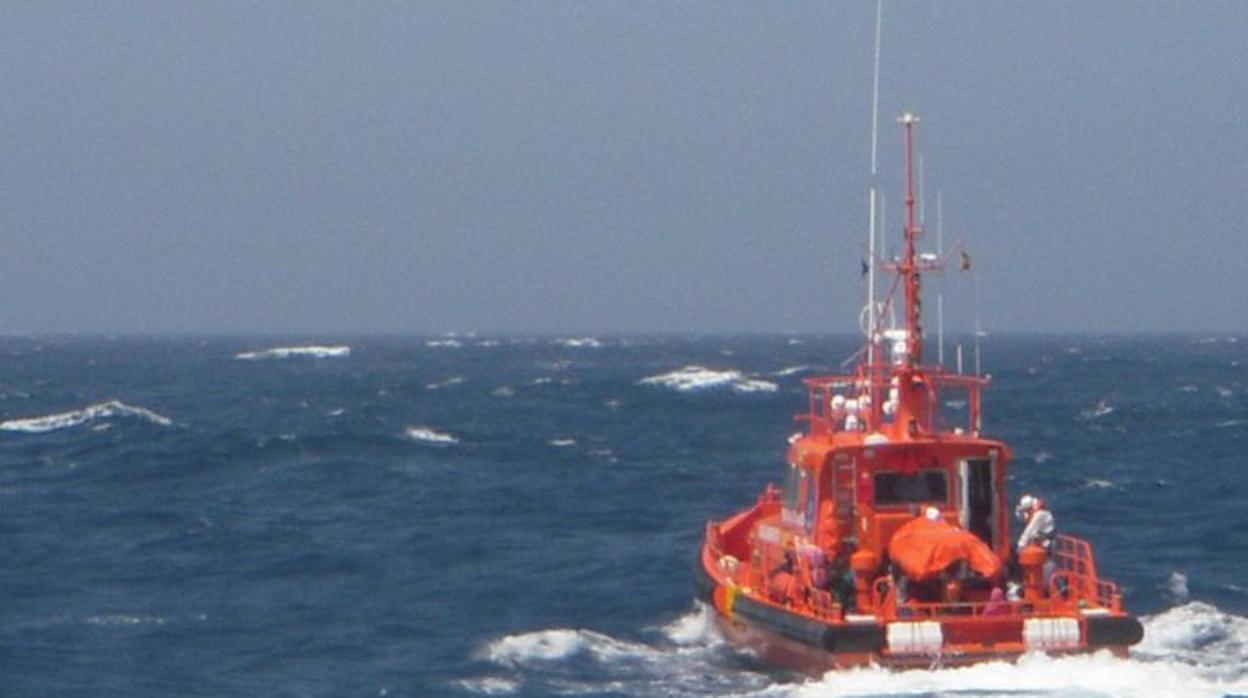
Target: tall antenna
(908, 266)
(872, 329)
(940, 288)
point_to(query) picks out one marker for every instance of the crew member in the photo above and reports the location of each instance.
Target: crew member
(1039, 525)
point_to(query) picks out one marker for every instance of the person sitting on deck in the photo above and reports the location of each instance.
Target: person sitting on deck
(1039, 524)
(996, 605)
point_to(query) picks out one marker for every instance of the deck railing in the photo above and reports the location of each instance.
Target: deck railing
(1076, 568)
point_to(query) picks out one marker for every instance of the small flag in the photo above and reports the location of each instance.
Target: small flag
(965, 263)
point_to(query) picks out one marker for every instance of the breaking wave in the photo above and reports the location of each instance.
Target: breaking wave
(64, 420)
(430, 436)
(1191, 651)
(686, 657)
(693, 378)
(311, 352)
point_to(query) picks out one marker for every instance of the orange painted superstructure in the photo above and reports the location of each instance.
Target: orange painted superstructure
(805, 575)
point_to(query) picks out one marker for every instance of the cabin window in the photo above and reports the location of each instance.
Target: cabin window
(799, 493)
(793, 489)
(916, 488)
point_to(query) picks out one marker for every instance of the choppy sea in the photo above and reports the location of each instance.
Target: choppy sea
(476, 515)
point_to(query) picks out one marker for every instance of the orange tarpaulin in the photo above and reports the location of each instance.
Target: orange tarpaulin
(922, 548)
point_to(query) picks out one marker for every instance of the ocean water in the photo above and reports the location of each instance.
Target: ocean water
(467, 516)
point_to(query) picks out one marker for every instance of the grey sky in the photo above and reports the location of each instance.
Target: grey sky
(336, 167)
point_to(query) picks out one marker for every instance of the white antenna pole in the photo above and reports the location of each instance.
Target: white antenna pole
(875, 120)
(940, 293)
(922, 194)
(978, 331)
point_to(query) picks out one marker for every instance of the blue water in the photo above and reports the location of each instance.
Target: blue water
(518, 516)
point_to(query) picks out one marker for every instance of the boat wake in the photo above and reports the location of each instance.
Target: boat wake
(694, 378)
(311, 352)
(92, 413)
(1193, 650)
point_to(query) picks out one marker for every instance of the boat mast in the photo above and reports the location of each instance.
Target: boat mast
(908, 268)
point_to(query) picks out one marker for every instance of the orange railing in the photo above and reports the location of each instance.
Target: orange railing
(1076, 569)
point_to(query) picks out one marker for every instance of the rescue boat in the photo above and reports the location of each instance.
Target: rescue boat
(889, 542)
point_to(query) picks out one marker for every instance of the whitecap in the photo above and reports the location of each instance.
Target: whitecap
(443, 343)
(693, 378)
(120, 619)
(63, 420)
(503, 391)
(430, 436)
(1224, 392)
(580, 342)
(791, 371)
(1102, 409)
(313, 352)
(542, 646)
(754, 386)
(453, 380)
(489, 685)
(1098, 484)
(562, 443)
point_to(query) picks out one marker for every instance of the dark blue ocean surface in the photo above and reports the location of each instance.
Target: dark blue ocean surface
(515, 516)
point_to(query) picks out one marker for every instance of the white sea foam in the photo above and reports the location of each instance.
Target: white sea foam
(791, 371)
(1098, 484)
(580, 342)
(1102, 409)
(430, 436)
(443, 343)
(562, 443)
(503, 391)
(120, 619)
(554, 645)
(1177, 586)
(446, 383)
(63, 420)
(693, 378)
(1191, 651)
(754, 386)
(489, 685)
(311, 352)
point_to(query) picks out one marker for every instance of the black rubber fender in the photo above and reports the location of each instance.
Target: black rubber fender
(866, 637)
(1114, 631)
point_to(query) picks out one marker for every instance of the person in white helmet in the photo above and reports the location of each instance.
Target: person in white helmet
(1039, 525)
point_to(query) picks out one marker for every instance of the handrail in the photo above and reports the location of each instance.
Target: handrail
(1077, 566)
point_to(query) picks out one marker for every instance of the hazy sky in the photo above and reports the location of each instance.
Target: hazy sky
(337, 167)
